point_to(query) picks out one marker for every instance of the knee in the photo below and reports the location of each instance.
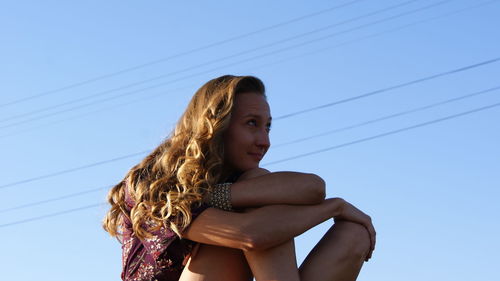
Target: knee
(358, 239)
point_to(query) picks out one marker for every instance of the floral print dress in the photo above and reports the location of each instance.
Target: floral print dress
(161, 257)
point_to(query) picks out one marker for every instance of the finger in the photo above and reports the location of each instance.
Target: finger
(371, 232)
(369, 256)
(369, 253)
(373, 235)
(374, 239)
(373, 244)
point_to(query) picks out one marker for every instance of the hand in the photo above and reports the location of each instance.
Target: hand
(350, 213)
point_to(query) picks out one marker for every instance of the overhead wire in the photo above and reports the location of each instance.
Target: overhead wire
(335, 147)
(477, 5)
(52, 214)
(384, 134)
(67, 196)
(206, 63)
(58, 173)
(284, 144)
(188, 52)
(371, 93)
(379, 91)
(376, 34)
(387, 117)
(393, 132)
(99, 94)
(107, 108)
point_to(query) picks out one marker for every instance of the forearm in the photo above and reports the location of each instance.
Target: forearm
(278, 188)
(275, 224)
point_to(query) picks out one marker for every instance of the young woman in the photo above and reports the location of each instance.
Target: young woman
(200, 208)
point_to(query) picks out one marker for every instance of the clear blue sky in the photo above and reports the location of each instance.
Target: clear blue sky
(432, 191)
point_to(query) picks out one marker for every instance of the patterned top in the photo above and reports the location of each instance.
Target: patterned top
(160, 258)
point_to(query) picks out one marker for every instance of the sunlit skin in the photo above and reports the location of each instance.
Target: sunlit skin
(246, 141)
(338, 256)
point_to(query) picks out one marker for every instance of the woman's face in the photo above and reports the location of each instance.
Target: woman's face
(246, 140)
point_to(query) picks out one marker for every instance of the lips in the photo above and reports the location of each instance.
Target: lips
(257, 156)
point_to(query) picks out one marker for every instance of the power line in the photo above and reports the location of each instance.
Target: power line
(207, 63)
(283, 60)
(52, 215)
(290, 158)
(461, 69)
(283, 144)
(109, 75)
(74, 169)
(385, 134)
(388, 117)
(218, 60)
(40, 202)
(389, 88)
(134, 101)
(32, 204)
(477, 5)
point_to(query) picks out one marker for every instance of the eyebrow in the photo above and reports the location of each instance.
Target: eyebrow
(257, 116)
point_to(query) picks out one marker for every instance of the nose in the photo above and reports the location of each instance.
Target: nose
(262, 140)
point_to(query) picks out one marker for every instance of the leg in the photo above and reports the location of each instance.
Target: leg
(339, 255)
(276, 263)
(214, 263)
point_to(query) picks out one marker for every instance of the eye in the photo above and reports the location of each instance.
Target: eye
(268, 127)
(252, 122)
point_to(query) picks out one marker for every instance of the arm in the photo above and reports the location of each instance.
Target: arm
(259, 187)
(269, 226)
(260, 228)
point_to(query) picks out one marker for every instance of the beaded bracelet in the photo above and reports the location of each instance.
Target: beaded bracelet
(220, 197)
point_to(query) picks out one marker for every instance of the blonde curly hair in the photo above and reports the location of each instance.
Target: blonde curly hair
(177, 174)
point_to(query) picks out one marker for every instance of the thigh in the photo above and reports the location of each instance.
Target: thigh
(214, 263)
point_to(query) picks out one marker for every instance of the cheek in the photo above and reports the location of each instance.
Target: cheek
(236, 144)
(230, 145)
(242, 141)
(237, 147)
(238, 137)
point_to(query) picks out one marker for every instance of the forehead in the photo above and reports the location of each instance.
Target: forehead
(251, 103)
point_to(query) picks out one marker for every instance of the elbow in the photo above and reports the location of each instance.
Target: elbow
(251, 246)
(255, 238)
(252, 241)
(318, 185)
(256, 243)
